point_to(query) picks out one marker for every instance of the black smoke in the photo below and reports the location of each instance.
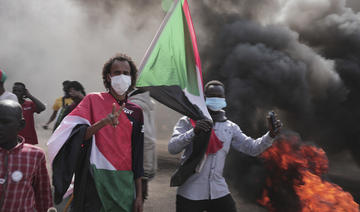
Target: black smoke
(353, 4)
(300, 58)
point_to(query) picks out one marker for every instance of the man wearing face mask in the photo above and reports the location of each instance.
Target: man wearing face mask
(207, 189)
(102, 139)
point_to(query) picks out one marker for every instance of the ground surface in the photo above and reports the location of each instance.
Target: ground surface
(343, 171)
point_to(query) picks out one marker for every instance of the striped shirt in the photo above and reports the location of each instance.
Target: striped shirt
(210, 183)
(28, 184)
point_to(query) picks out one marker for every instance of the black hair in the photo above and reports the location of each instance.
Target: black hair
(21, 84)
(213, 82)
(107, 67)
(66, 82)
(76, 86)
(13, 107)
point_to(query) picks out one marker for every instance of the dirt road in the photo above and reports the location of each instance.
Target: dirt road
(162, 197)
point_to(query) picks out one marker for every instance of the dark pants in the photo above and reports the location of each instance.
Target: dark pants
(223, 204)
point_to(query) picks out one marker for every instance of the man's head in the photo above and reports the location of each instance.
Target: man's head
(66, 88)
(76, 90)
(214, 88)
(215, 95)
(3, 77)
(19, 90)
(11, 122)
(120, 64)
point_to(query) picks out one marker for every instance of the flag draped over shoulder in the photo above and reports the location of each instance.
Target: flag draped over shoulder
(114, 154)
(171, 71)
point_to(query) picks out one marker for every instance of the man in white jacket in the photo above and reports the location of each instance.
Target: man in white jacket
(207, 190)
(143, 100)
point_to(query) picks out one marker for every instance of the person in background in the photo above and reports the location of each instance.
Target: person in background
(59, 106)
(29, 107)
(142, 99)
(207, 189)
(3, 93)
(24, 179)
(77, 94)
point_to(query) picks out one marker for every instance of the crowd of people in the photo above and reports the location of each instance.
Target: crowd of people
(102, 150)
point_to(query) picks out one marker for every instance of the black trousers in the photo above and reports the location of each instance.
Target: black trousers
(223, 204)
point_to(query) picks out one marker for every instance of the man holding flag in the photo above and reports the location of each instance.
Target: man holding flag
(207, 189)
(101, 141)
(171, 71)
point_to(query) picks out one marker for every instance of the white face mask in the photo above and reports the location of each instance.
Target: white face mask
(120, 83)
(215, 103)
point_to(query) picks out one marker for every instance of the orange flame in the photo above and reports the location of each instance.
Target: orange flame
(308, 163)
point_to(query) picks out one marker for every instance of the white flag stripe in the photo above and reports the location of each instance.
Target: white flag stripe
(198, 100)
(98, 159)
(62, 133)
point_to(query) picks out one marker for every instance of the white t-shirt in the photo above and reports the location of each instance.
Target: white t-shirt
(9, 95)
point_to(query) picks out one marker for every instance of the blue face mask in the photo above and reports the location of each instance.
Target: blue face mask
(215, 103)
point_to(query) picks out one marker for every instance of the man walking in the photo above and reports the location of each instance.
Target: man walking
(59, 106)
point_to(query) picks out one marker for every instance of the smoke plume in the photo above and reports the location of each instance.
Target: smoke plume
(44, 43)
(298, 57)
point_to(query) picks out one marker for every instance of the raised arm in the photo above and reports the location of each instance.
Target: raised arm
(111, 118)
(39, 105)
(255, 147)
(248, 145)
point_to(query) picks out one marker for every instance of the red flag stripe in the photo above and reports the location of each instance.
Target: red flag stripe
(193, 38)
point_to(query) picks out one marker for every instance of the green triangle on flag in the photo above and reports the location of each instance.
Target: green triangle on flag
(171, 61)
(173, 58)
(171, 71)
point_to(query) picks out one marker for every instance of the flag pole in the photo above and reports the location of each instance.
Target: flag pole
(157, 35)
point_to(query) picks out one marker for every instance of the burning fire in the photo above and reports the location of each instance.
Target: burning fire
(295, 180)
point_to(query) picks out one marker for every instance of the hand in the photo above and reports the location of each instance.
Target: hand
(27, 93)
(274, 125)
(203, 125)
(144, 183)
(138, 205)
(112, 118)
